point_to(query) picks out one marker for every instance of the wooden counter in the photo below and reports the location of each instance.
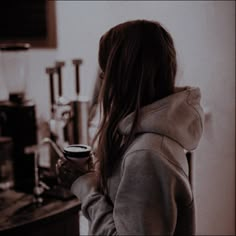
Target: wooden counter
(20, 216)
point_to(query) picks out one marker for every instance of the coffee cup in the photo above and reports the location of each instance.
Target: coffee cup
(77, 161)
(80, 155)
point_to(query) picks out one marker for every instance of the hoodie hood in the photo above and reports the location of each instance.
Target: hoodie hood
(179, 117)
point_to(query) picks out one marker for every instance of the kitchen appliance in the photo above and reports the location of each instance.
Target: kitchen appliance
(69, 118)
(60, 114)
(80, 108)
(6, 166)
(68, 125)
(18, 113)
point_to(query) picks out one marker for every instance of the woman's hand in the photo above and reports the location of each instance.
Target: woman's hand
(68, 171)
(85, 185)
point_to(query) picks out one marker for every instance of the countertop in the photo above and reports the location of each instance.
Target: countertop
(17, 209)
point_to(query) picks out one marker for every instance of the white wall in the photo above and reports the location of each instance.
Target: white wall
(204, 34)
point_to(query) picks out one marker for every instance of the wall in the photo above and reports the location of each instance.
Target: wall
(204, 34)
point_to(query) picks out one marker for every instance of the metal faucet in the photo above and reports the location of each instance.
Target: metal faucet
(53, 145)
(40, 186)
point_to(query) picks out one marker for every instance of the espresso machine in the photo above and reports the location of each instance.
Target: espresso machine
(69, 118)
(18, 114)
(68, 123)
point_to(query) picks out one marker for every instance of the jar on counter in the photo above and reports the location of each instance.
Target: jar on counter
(6, 163)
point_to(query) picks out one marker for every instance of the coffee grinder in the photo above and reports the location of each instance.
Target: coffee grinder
(18, 114)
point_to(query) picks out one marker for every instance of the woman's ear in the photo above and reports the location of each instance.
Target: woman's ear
(101, 75)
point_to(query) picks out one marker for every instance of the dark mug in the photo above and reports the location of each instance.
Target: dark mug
(77, 161)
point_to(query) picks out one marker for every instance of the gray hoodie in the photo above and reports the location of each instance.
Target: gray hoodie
(150, 192)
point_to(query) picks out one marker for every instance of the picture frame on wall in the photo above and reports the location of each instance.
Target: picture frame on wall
(32, 22)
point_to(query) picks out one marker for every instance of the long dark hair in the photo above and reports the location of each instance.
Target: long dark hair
(138, 62)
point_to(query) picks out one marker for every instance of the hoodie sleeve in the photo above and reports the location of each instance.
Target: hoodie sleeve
(145, 202)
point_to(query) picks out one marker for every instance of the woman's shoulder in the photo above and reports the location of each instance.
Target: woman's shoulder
(158, 150)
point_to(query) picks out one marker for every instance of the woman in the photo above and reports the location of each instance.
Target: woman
(141, 186)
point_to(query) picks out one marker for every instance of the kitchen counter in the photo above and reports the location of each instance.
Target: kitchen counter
(20, 216)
